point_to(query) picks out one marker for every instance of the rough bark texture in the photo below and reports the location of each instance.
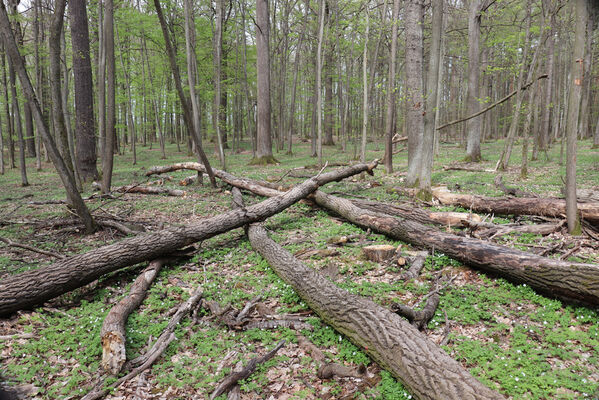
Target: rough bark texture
(34, 287)
(263, 138)
(424, 368)
(517, 206)
(113, 329)
(562, 279)
(473, 126)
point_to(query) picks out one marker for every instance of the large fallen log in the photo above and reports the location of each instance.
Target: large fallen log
(565, 280)
(34, 287)
(423, 367)
(546, 207)
(569, 281)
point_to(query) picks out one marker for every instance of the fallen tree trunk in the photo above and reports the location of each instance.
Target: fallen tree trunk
(112, 333)
(517, 206)
(565, 280)
(423, 367)
(150, 190)
(569, 281)
(33, 287)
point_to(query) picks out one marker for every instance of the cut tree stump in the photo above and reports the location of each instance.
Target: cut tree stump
(569, 281)
(34, 287)
(379, 252)
(517, 206)
(423, 367)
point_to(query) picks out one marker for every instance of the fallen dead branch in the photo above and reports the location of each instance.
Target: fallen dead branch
(230, 381)
(487, 230)
(113, 329)
(31, 248)
(509, 191)
(415, 267)
(36, 286)
(425, 369)
(419, 318)
(331, 370)
(149, 190)
(142, 363)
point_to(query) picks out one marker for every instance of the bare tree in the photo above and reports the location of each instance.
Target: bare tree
(365, 88)
(319, 79)
(473, 125)
(217, 60)
(110, 132)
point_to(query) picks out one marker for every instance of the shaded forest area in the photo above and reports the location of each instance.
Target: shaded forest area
(420, 204)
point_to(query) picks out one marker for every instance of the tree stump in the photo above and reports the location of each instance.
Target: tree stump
(378, 252)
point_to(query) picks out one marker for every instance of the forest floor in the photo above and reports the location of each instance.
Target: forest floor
(515, 341)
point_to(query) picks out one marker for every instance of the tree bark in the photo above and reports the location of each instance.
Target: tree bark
(389, 131)
(319, 79)
(263, 136)
(110, 131)
(576, 68)
(473, 126)
(547, 207)
(218, 50)
(33, 287)
(113, 332)
(424, 368)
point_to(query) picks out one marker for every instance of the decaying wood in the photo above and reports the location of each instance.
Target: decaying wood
(425, 369)
(467, 168)
(418, 214)
(31, 248)
(569, 281)
(487, 230)
(331, 370)
(565, 280)
(142, 363)
(279, 323)
(231, 380)
(113, 332)
(33, 287)
(419, 318)
(415, 267)
(149, 190)
(517, 206)
(509, 191)
(378, 252)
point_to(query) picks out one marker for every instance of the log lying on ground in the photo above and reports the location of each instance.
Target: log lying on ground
(267, 189)
(423, 367)
(517, 206)
(569, 281)
(112, 333)
(150, 190)
(565, 280)
(36, 286)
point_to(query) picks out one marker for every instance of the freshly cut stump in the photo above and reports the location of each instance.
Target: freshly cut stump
(378, 252)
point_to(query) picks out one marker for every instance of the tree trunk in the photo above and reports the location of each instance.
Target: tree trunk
(9, 133)
(298, 51)
(321, 8)
(473, 126)
(187, 113)
(217, 111)
(576, 68)
(17, 122)
(110, 131)
(29, 134)
(389, 131)
(365, 88)
(424, 368)
(548, 108)
(414, 86)
(263, 136)
(65, 174)
(101, 82)
(34, 287)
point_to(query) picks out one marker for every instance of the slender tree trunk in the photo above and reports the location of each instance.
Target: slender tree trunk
(548, 107)
(17, 122)
(389, 131)
(218, 47)
(428, 139)
(298, 51)
(414, 87)
(321, 18)
(263, 137)
(110, 132)
(9, 125)
(38, 76)
(128, 105)
(187, 113)
(576, 68)
(101, 82)
(64, 96)
(68, 179)
(192, 68)
(473, 126)
(29, 134)
(365, 88)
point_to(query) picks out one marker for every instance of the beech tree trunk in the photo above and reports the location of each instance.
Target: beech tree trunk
(424, 368)
(33, 287)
